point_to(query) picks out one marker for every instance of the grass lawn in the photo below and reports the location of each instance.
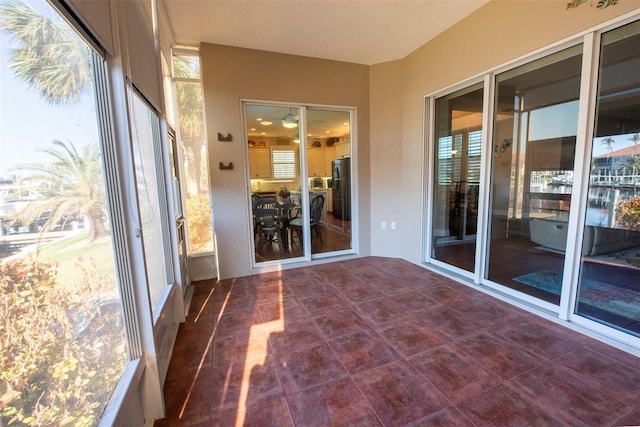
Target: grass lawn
(75, 253)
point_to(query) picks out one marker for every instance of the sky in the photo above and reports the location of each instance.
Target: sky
(28, 122)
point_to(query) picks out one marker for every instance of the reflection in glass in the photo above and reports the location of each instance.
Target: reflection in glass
(330, 177)
(609, 289)
(274, 171)
(458, 145)
(276, 174)
(535, 130)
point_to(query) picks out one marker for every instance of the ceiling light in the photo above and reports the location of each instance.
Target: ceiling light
(296, 139)
(327, 131)
(290, 121)
(266, 123)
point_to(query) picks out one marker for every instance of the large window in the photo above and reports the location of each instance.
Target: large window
(609, 289)
(192, 139)
(151, 199)
(63, 342)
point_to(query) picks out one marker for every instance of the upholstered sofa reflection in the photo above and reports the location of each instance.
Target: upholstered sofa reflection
(597, 240)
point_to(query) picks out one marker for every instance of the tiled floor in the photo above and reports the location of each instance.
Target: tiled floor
(378, 341)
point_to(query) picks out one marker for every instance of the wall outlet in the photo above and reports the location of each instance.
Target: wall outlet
(383, 225)
(393, 225)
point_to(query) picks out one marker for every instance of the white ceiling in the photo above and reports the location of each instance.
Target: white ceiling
(359, 31)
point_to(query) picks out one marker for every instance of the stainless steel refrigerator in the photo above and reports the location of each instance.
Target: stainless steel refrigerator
(341, 185)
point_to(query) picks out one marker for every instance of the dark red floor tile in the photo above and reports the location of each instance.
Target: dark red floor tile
(410, 336)
(447, 417)
(485, 310)
(621, 356)
(321, 303)
(359, 292)
(191, 402)
(414, 301)
(361, 352)
(339, 322)
(505, 406)
(399, 395)
(380, 311)
(497, 354)
(238, 348)
(447, 321)
(445, 293)
(567, 398)
(604, 373)
(455, 374)
(272, 411)
(306, 366)
(292, 334)
(632, 419)
(255, 347)
(234, 323)
(302, 289)
(241, 383)
(541, 337)
(287, 310)
(335, 403)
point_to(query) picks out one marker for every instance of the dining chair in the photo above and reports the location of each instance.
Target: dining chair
(267, 223)
(315, 211)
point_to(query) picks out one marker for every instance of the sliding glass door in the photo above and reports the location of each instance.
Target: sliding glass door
(299, 162)
(458, 145)
(330, 179)
(535, 127)
(609, 288)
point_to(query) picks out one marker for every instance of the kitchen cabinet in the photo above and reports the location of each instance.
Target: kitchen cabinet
(330, 156)
(317, 163)
(343, 149)
(260, 163)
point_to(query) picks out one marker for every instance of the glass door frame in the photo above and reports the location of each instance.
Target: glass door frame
(566, 309)
(303, 170)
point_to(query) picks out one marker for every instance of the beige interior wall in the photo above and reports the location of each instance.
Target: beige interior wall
(496, 34)
(232, 74)
(386, 157)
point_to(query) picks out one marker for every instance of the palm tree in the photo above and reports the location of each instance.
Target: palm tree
(635, 138)
(191, 119)
(608, 141)
(50, 57)
(69, 186)
(633, 162)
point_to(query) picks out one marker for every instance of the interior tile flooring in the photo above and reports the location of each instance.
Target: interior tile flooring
(378, 341)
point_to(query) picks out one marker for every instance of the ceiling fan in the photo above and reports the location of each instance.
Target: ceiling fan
(290, 121)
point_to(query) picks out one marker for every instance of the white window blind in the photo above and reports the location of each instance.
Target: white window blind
(284, 163)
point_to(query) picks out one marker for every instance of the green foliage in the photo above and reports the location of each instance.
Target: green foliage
(61, 351)
(51, 58)
(199, 224)
(628, 214)
(71, 185)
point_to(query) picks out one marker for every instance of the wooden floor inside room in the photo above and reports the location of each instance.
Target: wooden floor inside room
(336, 236)
(514, 256)
(382, 342)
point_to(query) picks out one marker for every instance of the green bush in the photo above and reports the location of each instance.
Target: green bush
(199, 224)
(628, 214)
(62, 352)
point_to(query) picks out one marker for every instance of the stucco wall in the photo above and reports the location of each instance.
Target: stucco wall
(231, 74)
(500, 32)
